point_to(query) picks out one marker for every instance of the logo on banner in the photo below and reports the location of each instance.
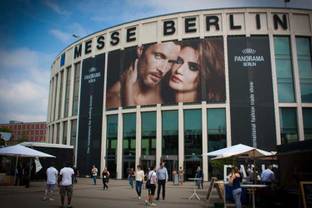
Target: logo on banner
(248, 58)
(92, 76)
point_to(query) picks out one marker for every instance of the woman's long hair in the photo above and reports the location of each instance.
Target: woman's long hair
(211, 86)
(212, 76)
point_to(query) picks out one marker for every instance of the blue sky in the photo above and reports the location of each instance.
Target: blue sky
(33, 32)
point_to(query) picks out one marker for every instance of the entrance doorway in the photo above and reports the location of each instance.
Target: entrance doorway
(128, 162)
(148, 161)
(111, 165)
(190, 167)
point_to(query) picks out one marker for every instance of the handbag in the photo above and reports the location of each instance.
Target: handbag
(148, 183)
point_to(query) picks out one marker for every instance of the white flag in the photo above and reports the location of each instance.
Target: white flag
(38, 165)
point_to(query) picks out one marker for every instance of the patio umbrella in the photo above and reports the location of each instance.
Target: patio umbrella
(22, 151)
(239, 150)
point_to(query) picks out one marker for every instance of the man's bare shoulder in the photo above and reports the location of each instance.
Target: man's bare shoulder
(113, 96)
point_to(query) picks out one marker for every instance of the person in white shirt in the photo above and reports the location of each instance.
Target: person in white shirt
(66, 184)
(151, 186)
(52, 174)
(139, 178)
(94, 172)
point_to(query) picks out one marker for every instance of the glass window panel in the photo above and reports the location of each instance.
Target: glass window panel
(64, 133)
(305, 69)
(282, 45)
(114, 144)
(216, 129)
(55, 88)
(148, 133)
(170, 133)
(57, 133)
(73, 133)
(111, 144)
(304, 45)
(284, 70)
(288, 122)
(129, 134)
(112, 131)
(60, 96)
(307, 122)
(76, 89)
(192, 134)
(67, 90)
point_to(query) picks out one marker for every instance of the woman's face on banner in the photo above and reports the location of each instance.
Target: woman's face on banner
(185, 72)
(156, 62)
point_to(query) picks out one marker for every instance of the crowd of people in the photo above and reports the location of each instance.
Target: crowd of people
(153, 178)
(155, 181)
(236, 176)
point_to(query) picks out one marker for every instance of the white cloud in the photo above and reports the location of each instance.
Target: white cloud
(136, 9)
(24, 85)
(56, 8)
(187, 5)
(23, 101)
(78, 29)
(67, 36)
(60, 35)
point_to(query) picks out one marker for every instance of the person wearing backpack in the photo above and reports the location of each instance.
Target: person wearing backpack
(151, 186)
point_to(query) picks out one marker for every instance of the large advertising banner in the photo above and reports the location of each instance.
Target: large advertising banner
(188, 71)
(251, 91)
(90, 113)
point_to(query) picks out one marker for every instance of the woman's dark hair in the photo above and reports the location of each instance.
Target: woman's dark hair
(212, 70)
(212, 78)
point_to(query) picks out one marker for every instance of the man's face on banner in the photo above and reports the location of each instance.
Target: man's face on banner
(156, 61)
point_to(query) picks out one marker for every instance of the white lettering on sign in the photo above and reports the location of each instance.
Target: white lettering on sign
(248, 58)
(253, 120)
(89, 123)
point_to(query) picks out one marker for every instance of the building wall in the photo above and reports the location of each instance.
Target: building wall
(31, 131)
(288, 39)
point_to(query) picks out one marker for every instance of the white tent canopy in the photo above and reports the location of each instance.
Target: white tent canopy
(239, 150)
(21, 151)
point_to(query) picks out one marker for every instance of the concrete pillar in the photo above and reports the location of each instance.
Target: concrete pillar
(158, 135)
(119, 145)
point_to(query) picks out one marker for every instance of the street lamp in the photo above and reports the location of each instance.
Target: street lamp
(76, 36)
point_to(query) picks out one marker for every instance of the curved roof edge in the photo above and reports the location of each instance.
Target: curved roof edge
(175, 13)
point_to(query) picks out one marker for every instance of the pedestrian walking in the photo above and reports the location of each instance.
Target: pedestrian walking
(94, 172)
(151, 187)
(181, 175)
(130, 177)
(105, 178)
(65, 183)
(199, 175)
(162, 178)
(52, 174)
(175, 178)
(139, 178)
(76, 175)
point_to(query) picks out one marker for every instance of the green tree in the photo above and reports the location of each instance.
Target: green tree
(4, 129)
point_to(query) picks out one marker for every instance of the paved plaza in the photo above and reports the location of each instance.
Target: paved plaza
(87, 195)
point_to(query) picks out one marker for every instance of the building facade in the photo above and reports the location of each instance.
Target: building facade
(173, 87)
(27, 131)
